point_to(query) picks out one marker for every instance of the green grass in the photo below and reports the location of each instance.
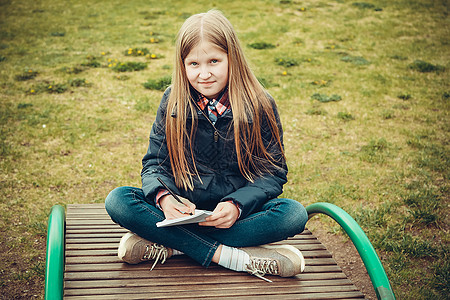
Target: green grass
(373, 139)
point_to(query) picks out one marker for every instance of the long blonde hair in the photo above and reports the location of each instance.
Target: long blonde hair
(249, 103)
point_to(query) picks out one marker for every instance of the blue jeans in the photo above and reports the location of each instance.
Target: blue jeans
(277, 220)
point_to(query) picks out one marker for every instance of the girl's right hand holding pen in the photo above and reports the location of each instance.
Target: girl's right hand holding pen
(173, 209)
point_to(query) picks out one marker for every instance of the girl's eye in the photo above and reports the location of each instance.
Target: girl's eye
(214, 61)
(193, 63)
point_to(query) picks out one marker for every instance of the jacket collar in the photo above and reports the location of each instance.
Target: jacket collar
(200, 115)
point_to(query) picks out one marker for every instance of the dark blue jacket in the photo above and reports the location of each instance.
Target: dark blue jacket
(216, 163)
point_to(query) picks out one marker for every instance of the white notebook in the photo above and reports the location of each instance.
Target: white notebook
(199, 216)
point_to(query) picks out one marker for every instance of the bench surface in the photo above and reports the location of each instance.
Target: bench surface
(93, 270)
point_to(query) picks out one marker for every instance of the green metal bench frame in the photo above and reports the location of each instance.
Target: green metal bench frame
(54, 274)
(54, 269)
(365, 249)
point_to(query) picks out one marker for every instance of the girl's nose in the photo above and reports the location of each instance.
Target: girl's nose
(204, 74)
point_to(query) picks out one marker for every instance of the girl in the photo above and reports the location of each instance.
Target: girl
(217, 144)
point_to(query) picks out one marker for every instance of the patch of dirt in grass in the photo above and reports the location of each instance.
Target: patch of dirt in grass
(346, 256)
(15, 281)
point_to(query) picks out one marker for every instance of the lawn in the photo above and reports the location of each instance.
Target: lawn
(362, 89)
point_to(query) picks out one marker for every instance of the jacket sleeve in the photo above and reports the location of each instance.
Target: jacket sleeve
(156, 162)
(253, 195)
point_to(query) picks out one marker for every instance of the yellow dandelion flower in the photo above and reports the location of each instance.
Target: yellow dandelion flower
(302, 9)
(153, 56)
(30, 71)
(284, 73)
(280, 60)
(109, 59)
(332, 46)
(32, 91)
(309, 59)
(110, 65)
(152, 40)
(316, 82)
(49, 87)
(103, 53)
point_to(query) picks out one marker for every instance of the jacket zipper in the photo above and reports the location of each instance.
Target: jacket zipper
(216, 132)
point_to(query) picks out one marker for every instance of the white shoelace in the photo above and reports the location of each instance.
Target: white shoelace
(156, 252)
(262, 266)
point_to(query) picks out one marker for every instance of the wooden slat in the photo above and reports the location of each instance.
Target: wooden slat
(178, 260)
(209, 290)
(87, 231)
(103, 252)
(315, 296)
(103, 227)
(261, 294)
(94, 237)
(83, 222)
(135, 283)
(108, 237)
(118, 266)
(86, 244)
(115, 259)
(93, 270)
(170, 274)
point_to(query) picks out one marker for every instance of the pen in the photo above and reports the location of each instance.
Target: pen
(172, 193)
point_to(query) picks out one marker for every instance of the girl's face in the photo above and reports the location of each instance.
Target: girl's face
(207, 69)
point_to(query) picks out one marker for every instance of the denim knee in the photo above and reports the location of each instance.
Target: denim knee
(296, 217)
(115, 202)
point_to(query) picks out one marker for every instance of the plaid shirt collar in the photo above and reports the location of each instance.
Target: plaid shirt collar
(216, 107)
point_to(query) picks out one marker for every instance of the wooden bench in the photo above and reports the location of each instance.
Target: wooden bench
(92, 270)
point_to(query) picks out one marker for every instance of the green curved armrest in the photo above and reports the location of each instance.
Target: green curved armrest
(365, 249)
(54, 271)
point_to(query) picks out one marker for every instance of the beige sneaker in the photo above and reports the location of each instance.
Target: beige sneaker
(133, 249)
(281, 260)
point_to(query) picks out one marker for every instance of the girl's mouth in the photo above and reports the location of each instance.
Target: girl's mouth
(206, 82)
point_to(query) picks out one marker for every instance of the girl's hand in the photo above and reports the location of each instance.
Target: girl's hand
(224, 216)
(173, 209)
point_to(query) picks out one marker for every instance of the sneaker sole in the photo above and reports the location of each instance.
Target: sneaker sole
(290, 248)
(122, 251)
